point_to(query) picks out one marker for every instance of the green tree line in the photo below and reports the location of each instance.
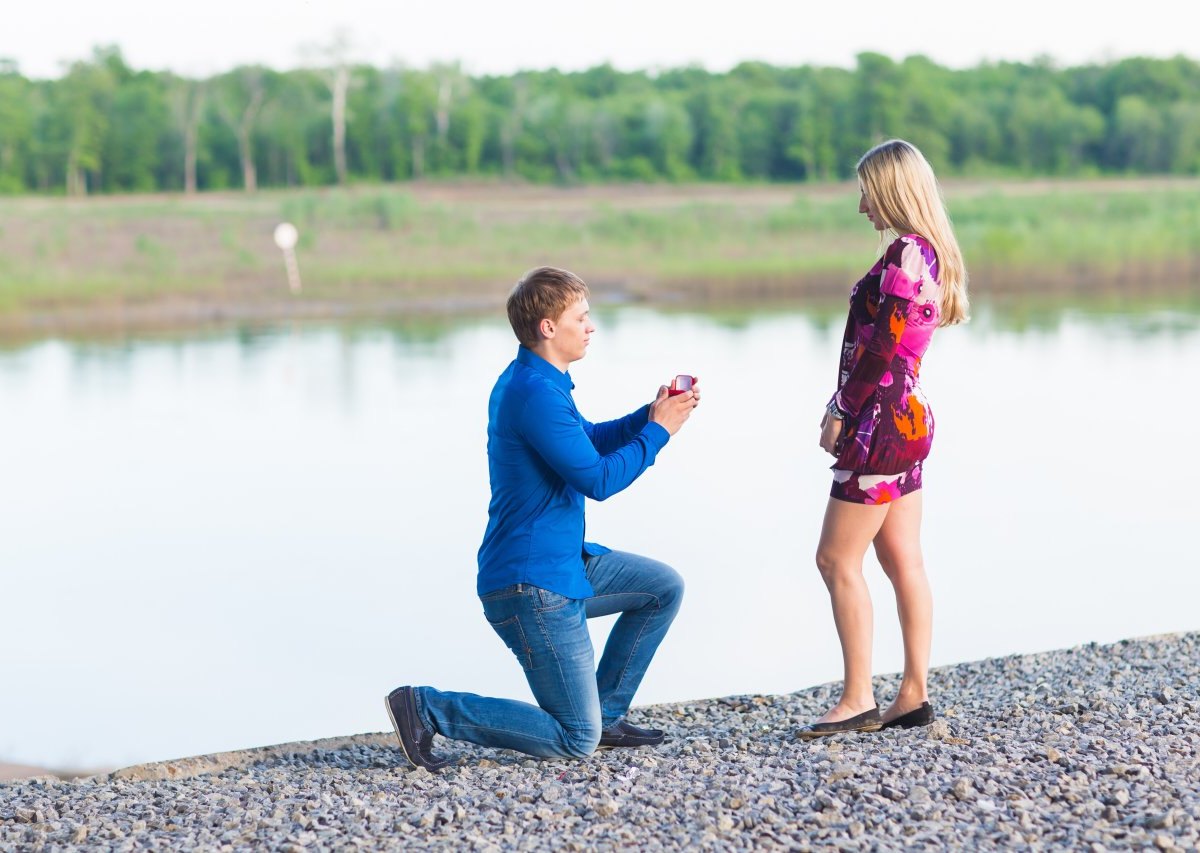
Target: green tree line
(106, 127)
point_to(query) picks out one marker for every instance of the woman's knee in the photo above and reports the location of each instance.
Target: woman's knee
(900, 567)
(832, 566)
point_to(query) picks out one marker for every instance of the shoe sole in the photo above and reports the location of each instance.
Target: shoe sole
(438, 765)
(387, 703)
(873, 727)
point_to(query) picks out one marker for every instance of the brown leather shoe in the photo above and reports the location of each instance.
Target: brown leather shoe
(415, 739)
(867, 721)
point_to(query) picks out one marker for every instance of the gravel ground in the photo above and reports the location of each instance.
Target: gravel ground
(1091, 748)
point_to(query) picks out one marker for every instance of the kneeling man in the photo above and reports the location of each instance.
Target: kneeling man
(539, 581)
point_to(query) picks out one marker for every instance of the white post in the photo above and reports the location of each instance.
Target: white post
(285, 238)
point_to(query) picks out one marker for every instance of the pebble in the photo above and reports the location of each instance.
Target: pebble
(1091, 748)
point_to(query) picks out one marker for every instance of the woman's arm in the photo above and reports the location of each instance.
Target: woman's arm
(902, 271)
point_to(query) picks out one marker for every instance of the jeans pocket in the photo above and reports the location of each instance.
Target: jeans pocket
(548, 601)
(513, 635)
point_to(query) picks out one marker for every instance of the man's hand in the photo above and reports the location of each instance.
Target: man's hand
(831, 431)
(671, 412)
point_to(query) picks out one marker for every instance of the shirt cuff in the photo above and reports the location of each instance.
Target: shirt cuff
(656, 434)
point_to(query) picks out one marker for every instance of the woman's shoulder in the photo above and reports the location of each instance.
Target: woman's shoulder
(906, 249)
(908, 261)
(906, 240)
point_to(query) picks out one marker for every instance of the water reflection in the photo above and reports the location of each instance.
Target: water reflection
(240, 538)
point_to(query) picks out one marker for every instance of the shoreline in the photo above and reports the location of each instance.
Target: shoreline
(145, 262)
(189, 314)
(1091, 747)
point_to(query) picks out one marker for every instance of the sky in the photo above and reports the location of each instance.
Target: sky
(503, 36)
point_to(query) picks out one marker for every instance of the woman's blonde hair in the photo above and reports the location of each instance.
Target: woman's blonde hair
(900, 184)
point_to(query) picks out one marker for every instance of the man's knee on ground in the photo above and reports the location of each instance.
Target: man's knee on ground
(582, 741)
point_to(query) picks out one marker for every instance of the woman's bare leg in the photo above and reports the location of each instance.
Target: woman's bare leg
(898, 546)
(847, 531)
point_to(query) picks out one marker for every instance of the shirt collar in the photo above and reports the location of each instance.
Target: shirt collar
(531, 359)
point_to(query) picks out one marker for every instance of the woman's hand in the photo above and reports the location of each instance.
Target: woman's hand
(831, 431)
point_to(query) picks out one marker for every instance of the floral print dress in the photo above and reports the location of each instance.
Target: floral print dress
(888, 429)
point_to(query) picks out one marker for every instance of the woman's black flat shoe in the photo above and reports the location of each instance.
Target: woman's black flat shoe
(868, 721)
(922, 716)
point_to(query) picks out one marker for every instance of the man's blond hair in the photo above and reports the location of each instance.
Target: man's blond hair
(542, 294)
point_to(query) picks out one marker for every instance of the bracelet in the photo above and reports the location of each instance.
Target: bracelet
(834, 411)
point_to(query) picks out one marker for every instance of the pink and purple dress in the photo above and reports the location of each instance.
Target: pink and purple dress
(888, 428)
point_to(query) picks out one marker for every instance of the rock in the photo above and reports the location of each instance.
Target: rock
(825, 802)
(937, 730)
(1120, 797)
(839, 772)
(552, 794)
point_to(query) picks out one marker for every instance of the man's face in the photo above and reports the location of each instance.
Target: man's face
(572, 332)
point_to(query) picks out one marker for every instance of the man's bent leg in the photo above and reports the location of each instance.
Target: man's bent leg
(548, 634)
(647, 594)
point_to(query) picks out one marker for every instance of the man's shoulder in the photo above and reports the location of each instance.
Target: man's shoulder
(520, 386)
(530, 383)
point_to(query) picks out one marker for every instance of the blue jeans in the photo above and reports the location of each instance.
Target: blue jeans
(548, 634)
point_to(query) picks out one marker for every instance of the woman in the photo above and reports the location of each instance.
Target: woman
(880, 427)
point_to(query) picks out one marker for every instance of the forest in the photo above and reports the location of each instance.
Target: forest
(103, 127)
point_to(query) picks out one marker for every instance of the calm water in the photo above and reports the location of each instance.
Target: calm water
(232, 540)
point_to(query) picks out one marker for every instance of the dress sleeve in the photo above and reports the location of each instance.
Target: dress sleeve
(902, 269)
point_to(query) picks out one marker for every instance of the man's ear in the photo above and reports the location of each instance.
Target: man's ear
(546, 328)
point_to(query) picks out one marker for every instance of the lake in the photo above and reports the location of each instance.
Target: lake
(231, 539)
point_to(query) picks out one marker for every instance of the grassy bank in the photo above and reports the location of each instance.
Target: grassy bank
(389, 249)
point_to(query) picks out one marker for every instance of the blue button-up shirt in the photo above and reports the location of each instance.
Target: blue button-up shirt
(544, 458)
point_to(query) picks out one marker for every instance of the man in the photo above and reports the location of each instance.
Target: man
(539, 581)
